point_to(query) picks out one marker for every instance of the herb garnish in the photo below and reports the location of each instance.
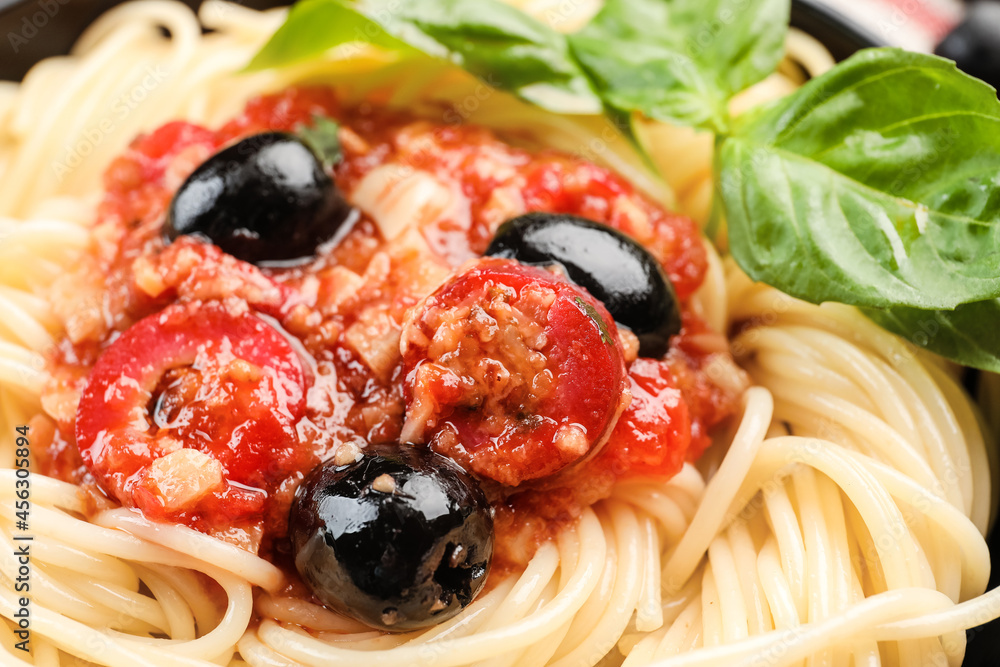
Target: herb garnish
(875, 185)
(592, 313)
(323, 138)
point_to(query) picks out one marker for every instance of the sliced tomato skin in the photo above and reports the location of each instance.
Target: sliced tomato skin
(653, 435)
(253, 438)
(516, 439)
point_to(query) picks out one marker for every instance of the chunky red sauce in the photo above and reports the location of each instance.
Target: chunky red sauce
(512, 371)
(344, 313)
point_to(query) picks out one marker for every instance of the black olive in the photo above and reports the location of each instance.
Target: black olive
(265, 198)
(615, 269)
(974, 44)
(401, 539)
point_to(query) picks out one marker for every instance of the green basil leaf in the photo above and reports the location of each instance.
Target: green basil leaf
(660, 83)
(968, 335)
(741, 41)
(673, 60)
(495, 42)
(680, 61)
(876, 184)
(313, 27)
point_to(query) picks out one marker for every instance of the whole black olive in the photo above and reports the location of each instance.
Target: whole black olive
(615, 269)
(974, 44)
(265, 198)
(401, 539)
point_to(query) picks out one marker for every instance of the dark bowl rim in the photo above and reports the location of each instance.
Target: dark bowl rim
(815, 15)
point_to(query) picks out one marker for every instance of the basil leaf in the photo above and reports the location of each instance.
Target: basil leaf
(681, 61)
(323, 138)
(678, 60)
(496, 43)
(662, 84)
(313, 27)
(741, 41)
(493, 41)
(968, 335)
(876, 184)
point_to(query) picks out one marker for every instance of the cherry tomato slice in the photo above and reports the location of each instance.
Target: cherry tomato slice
(512, 371)
(191, 414)
(653, 435)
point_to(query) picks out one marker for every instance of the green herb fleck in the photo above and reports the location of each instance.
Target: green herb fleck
(592, 313)
(322, 138)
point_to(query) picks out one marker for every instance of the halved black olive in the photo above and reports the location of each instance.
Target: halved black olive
(401, 539)
(265, 198)
(611, 266)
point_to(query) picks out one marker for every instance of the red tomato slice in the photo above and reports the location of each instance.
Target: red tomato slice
(654, 433)
(191, 414)
(512, 371)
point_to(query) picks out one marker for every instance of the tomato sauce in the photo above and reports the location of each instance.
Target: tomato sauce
(512, 371)
(344, 312)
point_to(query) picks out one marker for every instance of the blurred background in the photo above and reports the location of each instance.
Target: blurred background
(966, 32)
(918, 25)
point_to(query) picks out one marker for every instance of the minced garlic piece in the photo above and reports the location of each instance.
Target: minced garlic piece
(384, 483)
(572, 439)
(630, 345)
(184, 477)
(241, 370)
(147, 278)
(347, 453)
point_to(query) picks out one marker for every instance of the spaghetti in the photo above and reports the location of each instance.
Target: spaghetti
(841, 519)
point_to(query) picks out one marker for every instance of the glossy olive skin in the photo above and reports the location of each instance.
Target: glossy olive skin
(266, 198)
(399, 560)
(615, 269)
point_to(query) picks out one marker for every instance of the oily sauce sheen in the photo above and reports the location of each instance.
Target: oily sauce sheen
(343, 312)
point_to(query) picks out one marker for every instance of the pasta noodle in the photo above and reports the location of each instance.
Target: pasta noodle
(840, 522)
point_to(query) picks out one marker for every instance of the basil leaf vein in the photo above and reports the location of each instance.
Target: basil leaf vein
(680, 61)
(635, 56)
(844, 192)
(497, 43)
